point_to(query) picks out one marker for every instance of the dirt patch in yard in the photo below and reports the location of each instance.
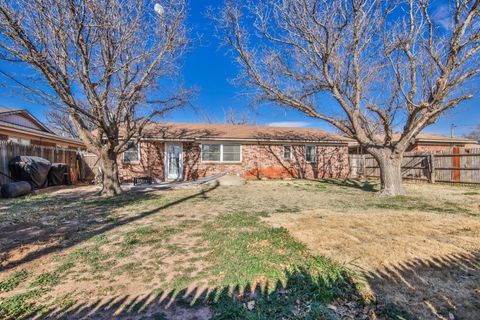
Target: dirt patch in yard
(424, 259)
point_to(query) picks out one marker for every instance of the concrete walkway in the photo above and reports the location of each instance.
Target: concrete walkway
(222, 179)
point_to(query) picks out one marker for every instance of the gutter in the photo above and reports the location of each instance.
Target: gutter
(279, 141)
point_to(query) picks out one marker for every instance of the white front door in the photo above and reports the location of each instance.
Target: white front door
(173, 161)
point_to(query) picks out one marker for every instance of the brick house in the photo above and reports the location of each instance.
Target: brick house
(426, 142)
(20, 126)
(434, 142)
(188, 151)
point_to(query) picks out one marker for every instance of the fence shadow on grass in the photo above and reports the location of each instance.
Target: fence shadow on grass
(93, 220)
(431, 288)
(301, 294)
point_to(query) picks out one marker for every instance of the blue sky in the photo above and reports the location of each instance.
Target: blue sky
(208, 67)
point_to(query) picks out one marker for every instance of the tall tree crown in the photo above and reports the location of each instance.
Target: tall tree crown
(106, 63)
(388, 65)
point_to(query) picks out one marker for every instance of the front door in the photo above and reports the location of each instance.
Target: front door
(173, 161)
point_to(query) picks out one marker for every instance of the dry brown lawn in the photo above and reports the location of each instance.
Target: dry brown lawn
(420, 252)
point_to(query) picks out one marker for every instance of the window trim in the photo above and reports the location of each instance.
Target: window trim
(315, 157)
(291, 150)
(221, 153)
(135, 161)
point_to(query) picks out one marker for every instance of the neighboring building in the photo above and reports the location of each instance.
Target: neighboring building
(187, 151)
(426, 142)
(20, 126)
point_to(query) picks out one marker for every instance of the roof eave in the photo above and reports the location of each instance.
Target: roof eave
(249, 140)
(48, 135)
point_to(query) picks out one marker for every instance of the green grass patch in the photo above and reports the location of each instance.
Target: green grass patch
(93, 256)
(303, 295)
(394, 312)
(288, 281)
(14, 280)
(20, 305)
(46, 279)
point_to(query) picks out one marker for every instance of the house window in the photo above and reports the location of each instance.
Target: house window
(221, 152)
(231, 153)
(211, 152)
(310, 153)
(132, 154)
(287, 152)
(25, 142)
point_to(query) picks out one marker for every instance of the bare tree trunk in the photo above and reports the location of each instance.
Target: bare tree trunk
(390, 172)
(110, 178)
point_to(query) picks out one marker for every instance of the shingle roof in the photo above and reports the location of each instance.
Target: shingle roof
(202, 131)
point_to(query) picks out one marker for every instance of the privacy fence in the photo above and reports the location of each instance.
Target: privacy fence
(456, 166)
(74, 159)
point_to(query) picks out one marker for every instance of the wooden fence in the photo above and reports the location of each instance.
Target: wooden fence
(456, 166)
(10, 150)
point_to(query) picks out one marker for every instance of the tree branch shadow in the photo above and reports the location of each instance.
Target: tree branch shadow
(60, 237)
(430, 288)
(302, 294)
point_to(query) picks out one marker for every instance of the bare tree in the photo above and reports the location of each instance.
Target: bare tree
(108, 62)
(474, 134)
(233, 117)
(368, 67)
(61, 124)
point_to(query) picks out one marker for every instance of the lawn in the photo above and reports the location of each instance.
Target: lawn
(266, 250)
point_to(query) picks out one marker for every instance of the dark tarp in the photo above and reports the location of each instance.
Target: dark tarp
(16, 189)
(31, 169)
(59, 174)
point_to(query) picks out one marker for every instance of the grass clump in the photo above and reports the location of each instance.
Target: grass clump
(14, 280)
(304, 295)
(46, 279)
(20, 305)
(93, 256)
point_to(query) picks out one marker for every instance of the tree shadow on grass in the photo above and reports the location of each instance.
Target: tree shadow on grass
(431, 288)
(93, 219)
(356, 184)
(302, 294)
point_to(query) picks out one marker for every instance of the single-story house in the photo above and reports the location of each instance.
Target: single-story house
(20, 126)
(188, 151)
(426, 142)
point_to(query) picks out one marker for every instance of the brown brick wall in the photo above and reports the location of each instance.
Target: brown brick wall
(258, 162)
(151, 163)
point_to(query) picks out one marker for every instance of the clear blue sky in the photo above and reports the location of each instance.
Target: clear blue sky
(208, 67)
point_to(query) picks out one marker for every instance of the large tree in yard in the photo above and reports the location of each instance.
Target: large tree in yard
(107, 64)
(371, 68)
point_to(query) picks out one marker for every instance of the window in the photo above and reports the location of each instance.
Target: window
(221, 152)
(311, 153)
(231, 153)
(132, 154)
(287, 152)
(24, 142)
(211, 152)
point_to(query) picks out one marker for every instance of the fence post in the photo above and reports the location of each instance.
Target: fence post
(431, 165)
(363, 161)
